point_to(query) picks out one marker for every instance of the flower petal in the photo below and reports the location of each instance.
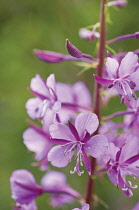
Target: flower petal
(34, 107)
(83, 99)
(113, 176)
(96, 146)
(57, 106)
(53, 179)
(37, 142)
(102, 81)
(128, 64)
(136, 207)
(112, 68)
(48, 119)
(38, 85)
(85, 206)
(57, 157)
(135, 78)
(61, 131)
(132, 146)
(86, 162)
(133, 169)
(51, 83)
(86, 121)
(24, 187)
(64, 92)
(30, 206)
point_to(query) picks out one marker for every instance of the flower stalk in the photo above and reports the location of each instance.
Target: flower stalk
(127, 36)
(96, 101)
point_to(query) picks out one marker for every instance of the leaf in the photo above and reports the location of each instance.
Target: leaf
(107, 14)
(100, 201)
(110, 49)
(86, 66)
(83, 70)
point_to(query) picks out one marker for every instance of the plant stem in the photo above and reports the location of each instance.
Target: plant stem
(96, 101)
(117, 114)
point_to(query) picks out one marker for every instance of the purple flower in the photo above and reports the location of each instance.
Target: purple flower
(85, 206)
(133, 105)
(38, 140)
(118, 3)
(24, 187)
(73, 51)
(49, 56)
(107, 94)
(136, 207)
(124, 161)
(71, 99)
(56, 182)
(54, 57)
(77, 138)
(50, 95)
(137, 35)
(124, 77)
(132, 120)
(45, 93)
(30, 206)
(91, 35)
(111, 131)
(87, 34)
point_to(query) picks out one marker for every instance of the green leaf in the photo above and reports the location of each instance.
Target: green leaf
(110, 49)
(100, 201)
(107, 14)
(83, 70)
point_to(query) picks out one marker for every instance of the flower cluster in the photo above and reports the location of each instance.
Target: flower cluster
(70, 127)
(25, 189)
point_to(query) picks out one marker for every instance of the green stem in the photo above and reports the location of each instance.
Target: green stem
(96, 101)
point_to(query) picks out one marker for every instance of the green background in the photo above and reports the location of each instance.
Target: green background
(45, 24)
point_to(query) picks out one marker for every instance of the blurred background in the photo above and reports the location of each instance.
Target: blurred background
(45, 24)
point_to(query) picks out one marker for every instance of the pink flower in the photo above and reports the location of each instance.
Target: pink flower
(118, 3)
(124, 161)
(60, 192)
(46, 97)
(136, 207)
(124, 77)
(60, 98)
(90, 35)
(77, 137)
(30, 206)
(85, 206)
(25, 189)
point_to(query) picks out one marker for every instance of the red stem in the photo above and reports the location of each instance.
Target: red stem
(97, 108)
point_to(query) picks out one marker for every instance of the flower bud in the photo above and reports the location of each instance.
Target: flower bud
(137, 35)
(49, 56)
(87, 34)
(118, 3)
(72, 50)
(24, 187)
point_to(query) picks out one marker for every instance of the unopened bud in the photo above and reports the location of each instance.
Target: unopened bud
(49, 56)
(118, 3)
(137, 35)
(72, 50)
